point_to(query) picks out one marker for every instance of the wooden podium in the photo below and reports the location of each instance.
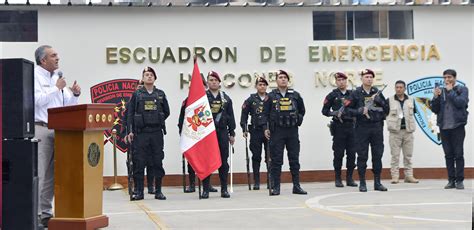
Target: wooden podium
(78, 165)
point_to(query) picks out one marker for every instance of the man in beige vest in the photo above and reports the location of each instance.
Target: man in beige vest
(401, 125)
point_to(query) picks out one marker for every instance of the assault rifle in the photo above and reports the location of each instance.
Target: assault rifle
(130, 167)
(370, 103)
(247, 157)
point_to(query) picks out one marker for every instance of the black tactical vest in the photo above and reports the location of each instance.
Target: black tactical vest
(149, 107)
(286, 109)
(339, 101)
(218, 109)
(259, 118)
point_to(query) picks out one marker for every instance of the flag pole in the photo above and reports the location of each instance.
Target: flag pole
(184, 172)
(199, 189)
(231, 170)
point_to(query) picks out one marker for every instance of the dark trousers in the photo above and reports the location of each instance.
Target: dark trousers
(223, 139)
(369, 134)
(257, 139)
(148, 151)
(279, 139)
(453, 146)
(150, 177)
(192, 173)
(343, 141)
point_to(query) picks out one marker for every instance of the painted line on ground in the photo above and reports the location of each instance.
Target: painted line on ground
(154, 218)
(394, 205)
(228, 209)
(315, 203)
(207, 210)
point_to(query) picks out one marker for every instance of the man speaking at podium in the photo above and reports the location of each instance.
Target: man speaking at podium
(50, 92)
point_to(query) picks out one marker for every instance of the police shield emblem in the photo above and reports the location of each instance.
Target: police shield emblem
(422, 91)
(118, 92)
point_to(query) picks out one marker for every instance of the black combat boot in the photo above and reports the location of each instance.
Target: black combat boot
(158, 194)
(275, 189)
(224, 193)
(450, 185)
(205, 186)
(349, 181)
(192, 184)
(338, 180)
(256, 175)
(296, 185)
(377, 184)
(212, 189)
(275, 186)
(256, 178)
(138, 193)
(149, 183)
(362, 186)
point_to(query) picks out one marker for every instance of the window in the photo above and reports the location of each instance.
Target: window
(350, 25)
(366, 24)
(329, 25)
(18, 26)
(401, 24)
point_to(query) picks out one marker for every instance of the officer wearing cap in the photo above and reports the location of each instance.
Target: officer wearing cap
(191, 173)
(254, 105)
(147, 111)
(342, 129)
(223, 114)
(369, 127)
(150, 176)
(286, 111)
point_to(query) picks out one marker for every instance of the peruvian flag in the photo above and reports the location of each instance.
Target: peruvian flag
(198, 140)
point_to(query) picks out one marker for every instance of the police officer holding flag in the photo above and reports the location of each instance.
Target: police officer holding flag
(223, 114)
(342, 129)
(147, 111)
(286, 112)
(191, 173)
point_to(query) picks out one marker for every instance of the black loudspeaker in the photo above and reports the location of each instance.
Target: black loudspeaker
(20, 184)
(18, 98)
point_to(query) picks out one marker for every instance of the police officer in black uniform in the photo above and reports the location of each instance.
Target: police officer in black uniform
(342, 129)
(254, 105)
(369, 127)
(147, 111)
(150, 177)
(192, 175)
(223, 114)
(286, 112)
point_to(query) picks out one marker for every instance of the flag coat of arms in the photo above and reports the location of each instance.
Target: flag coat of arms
(198, 140)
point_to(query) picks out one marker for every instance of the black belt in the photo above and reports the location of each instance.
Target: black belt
(40, 123)
(345, 123)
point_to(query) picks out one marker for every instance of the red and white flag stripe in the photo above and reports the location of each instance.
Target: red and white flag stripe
(198, 140)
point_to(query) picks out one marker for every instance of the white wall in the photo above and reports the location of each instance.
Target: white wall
(80, 35)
